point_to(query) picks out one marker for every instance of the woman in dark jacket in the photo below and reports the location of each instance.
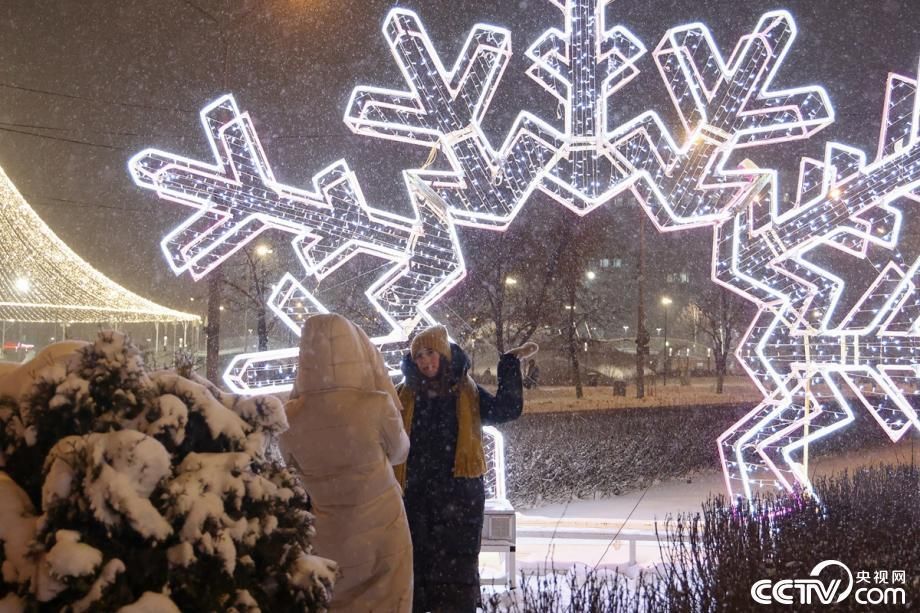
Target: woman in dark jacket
(443, 412)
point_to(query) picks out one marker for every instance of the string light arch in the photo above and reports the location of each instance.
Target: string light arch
(42, 280)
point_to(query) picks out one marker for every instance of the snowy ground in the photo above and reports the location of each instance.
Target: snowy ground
(580, 534)
(681, 495)
(701, 391)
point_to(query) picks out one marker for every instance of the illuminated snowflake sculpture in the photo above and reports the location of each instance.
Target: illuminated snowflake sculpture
(812, 363)
(582, 67)
(238, 197)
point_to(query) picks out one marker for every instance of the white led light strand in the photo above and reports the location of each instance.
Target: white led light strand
(493, 443)
(724, 106)
(445, 108)
(582, 67)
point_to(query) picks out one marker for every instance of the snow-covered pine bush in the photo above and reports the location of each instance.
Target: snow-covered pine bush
(121, 487)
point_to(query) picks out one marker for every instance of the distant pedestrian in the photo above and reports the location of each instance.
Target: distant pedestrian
(532, 379)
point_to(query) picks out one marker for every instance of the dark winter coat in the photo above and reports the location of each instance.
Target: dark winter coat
(446, 513)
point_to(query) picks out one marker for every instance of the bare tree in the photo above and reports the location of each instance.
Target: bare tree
(692, 315)
(720, 315)
(642, 336)
(226, 23)
(251, 290)
(537, 276)
(512, 277)
(571, 283)
(212, 330)
(572, 270)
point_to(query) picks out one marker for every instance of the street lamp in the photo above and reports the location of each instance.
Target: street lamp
(509, 281)
(666, 303)
(22, 285)
(263, 250)
(591, 275)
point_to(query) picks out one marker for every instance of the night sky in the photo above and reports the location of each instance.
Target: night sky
(85, 84)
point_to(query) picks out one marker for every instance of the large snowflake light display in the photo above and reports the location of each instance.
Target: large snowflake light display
(813, 363)
(238, 197)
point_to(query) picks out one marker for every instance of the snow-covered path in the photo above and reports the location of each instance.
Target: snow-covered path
(581, 532)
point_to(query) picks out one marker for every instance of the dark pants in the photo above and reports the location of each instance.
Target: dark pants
(445, 598)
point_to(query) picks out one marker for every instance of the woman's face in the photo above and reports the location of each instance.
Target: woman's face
(427, 362)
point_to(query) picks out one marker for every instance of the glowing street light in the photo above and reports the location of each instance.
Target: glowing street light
(591, 275)
(263, 250)
(23, 285)
(511, 281)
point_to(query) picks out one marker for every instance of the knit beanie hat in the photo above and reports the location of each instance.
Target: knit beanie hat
(434, 338)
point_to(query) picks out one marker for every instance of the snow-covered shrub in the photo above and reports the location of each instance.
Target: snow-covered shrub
(121, 487)
(868, 520)
(555, 457)
(579, 588)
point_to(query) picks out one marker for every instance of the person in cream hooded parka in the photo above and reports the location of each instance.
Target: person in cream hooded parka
(345, 434)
